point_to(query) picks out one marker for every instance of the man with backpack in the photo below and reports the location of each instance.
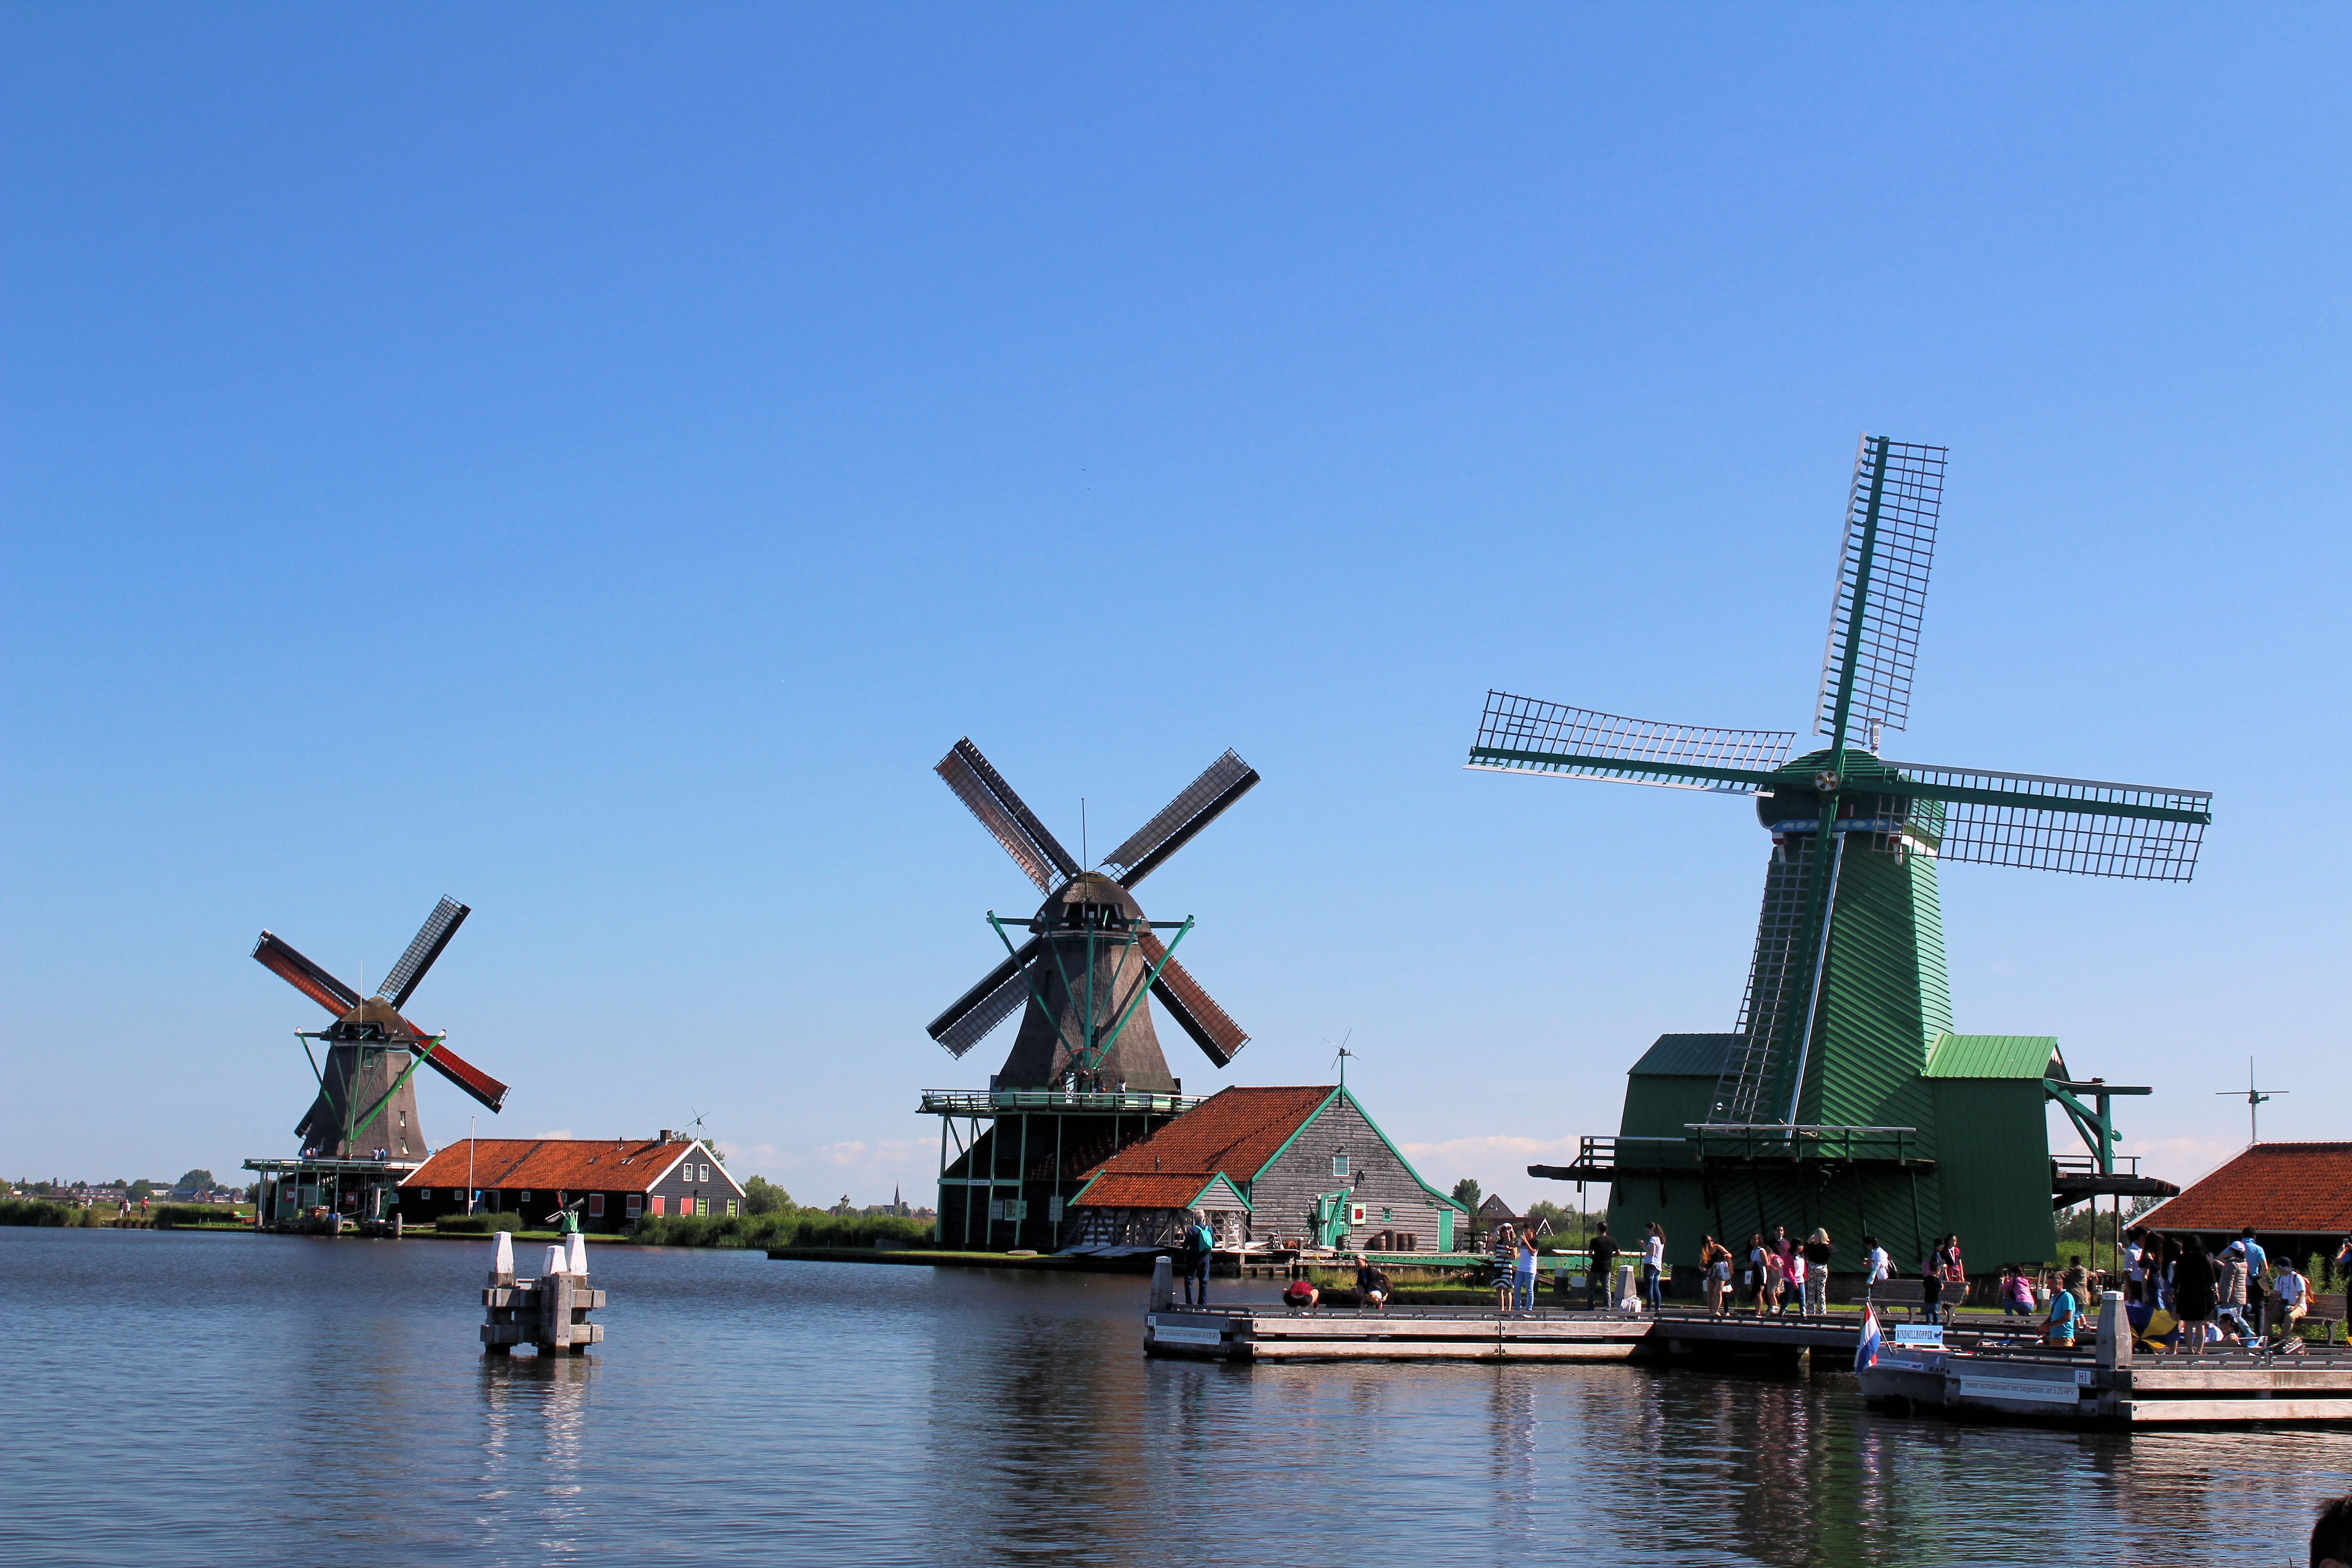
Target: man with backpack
(1199, 1247)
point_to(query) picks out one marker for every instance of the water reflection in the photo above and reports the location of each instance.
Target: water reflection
(535, 1446)
(326, 1402)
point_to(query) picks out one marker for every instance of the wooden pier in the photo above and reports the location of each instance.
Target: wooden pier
(2109, 1382)
(1990, 1374)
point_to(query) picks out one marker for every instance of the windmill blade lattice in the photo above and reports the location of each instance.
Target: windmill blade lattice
(1890, 543)
(1523, 734)
(2081, 825)
(1196, 805)
(278, 955)
(975, 1014)
(1211, 1028)
(1007, 819)
(461, 1072)
(431, 938)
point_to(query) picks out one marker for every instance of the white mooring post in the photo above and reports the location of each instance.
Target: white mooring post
(502, 1259)
(552, 1264)
(2115, 1331)
(1163, 1284)
(576, 1254)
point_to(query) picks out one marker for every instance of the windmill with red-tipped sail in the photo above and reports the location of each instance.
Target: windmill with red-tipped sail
(366, 1104)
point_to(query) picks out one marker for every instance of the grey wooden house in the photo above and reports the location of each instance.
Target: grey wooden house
(1302, 1167)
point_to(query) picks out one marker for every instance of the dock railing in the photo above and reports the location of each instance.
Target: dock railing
(1777, 1141)
(995, 1101)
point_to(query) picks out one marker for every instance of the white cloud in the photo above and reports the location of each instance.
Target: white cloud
(559, 1132)
(1499, 1161)
(2180, 1159)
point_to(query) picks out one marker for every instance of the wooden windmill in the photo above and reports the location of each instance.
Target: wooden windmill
(1090, 955)
(1826, 1098)
(366, 1105)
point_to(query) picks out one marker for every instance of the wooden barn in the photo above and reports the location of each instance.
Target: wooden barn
(1293, 1167)
(618, 1180)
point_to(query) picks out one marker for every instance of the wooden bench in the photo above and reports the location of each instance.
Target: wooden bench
(2328, 1311)
(1895, 1293)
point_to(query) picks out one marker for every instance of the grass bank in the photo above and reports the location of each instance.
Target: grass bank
(781, 1230)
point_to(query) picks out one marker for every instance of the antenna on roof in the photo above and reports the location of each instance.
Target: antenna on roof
(2254, 1097)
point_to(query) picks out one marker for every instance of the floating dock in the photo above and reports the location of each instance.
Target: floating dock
(2108, 1383)
(1992, 1373)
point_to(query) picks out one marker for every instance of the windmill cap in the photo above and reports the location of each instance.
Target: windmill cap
(1091, 888)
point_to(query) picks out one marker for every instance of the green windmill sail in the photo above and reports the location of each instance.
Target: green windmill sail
(1842, 1096)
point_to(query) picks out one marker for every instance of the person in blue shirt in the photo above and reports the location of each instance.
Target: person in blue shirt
(2065, 1308)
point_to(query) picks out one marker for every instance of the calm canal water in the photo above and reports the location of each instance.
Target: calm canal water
(223, 1399)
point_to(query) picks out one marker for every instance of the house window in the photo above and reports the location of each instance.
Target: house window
(661, 1204)
(636, 1205)
(596, 1206)
(1388, 1214)
(425, 1194)
(1338, 1165)
(523, 1197)
(705, 1173)
(731, 1206)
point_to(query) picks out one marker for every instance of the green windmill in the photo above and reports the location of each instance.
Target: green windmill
(1842, 1097)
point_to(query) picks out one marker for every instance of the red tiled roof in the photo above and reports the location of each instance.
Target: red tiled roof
(2299, 1188)
(1144, 1190)
(555, 1165)
(1235, 1131)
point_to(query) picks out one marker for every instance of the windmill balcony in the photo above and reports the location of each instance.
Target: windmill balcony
(1784, 1142)
(995, 1101)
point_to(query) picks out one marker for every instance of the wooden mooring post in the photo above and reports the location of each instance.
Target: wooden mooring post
(551, 1311)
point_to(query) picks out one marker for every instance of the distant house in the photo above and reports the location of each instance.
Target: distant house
(616, 1181)
(1495, 1214)
(1294, 1167)
(2297, 1196)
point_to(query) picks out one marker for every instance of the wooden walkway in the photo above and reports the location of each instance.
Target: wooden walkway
(1254, 1334)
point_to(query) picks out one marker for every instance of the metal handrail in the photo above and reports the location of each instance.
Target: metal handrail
(991, 1101)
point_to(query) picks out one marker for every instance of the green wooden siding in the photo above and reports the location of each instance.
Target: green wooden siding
(1995, 1170)
(1878, 988)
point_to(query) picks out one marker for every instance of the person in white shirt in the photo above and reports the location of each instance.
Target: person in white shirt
(1653, 1266)
(1876, 1261)
(2290, 1298)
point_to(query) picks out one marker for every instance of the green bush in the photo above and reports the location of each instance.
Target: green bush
(475, 1224)
(36, 1211)
(806, 1229)
(166, 1216)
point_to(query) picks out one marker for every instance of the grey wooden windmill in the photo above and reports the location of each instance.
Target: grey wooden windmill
(1090, 955)
(366, 1105)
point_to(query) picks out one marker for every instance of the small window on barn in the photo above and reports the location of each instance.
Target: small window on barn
(1338, 1165)
(636, 1205)
(597, 1205)
(523, 1197)
(1388, 1214)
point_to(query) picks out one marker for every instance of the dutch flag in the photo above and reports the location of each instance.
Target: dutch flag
(1865, 1351)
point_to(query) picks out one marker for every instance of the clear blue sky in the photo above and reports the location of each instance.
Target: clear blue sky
(592, 460)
